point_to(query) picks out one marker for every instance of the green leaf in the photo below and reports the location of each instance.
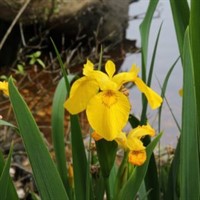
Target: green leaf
(173, 186)
(57, 122)
(194, 35)
(181, 14)
(164, 88)
(106, 151)
(12, 194)
(145, 102)
(61, 65)
(132, 186)
(150, 184)
(7, 190)
(37, 54)
(144, 32)
(5, 123)
(79, 159)
(40, 62)
(189, 149)
(45, 173)
(122, 175)
(32, 61)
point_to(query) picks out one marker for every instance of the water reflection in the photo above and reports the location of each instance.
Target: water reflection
(166, 55)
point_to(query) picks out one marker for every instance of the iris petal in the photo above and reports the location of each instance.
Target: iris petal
(121, 139)
(108, 113)
(137, 157)
(103, 80)
(4, 87)
(135, 144)
(81, 92)
(141, 131)
(88, 68)
(153, 98)
(110, 68)
(125, 77)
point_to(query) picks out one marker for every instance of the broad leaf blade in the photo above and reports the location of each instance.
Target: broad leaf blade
(194, 34)
(189, 149)
(45, 173)
(181, 14)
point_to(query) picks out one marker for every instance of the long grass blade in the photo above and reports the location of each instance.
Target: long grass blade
(164, 88)
(7, 190)
(5, 123)
(46, 176)
(144, 106)
(151, 184)
(144, 32)
(58, 132)
(61, 65)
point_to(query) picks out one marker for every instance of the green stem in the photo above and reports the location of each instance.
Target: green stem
(107, 188)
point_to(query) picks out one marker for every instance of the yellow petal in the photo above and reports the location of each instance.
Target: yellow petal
(4, 87)
(121, 139)
(153, 98)
(104, 82)
(81, 92)
(88, 68)
(124, 77)
(137, 157)
(108, 113)
(135, 144)
(110, 68)
(141, 131)
(181, 92)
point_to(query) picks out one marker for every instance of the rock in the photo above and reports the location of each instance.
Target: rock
(106, 18)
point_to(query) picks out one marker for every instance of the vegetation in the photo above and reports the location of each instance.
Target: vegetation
(97, 170)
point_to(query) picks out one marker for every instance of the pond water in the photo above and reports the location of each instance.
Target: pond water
(167, 53)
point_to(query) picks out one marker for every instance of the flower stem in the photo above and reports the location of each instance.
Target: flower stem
(107, 188)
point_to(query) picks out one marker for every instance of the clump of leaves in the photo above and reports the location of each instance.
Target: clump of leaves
(35, 58)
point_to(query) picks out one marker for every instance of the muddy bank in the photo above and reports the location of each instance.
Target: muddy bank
(85, 22)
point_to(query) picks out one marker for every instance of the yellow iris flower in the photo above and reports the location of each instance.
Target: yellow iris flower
(133, 143)
(4, 87)
(107, 107)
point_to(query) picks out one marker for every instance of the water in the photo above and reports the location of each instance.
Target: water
(167, 53)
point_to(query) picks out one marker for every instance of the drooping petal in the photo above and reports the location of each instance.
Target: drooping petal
(110, 68)
(137, 157)
(141, 131)
(4, 87)
(108, 113)
(125, 77)
(88, 68)
(153, 98)
(81, 92)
